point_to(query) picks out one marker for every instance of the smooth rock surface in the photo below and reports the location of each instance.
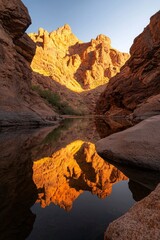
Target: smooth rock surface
(138, 145)
(141, 222)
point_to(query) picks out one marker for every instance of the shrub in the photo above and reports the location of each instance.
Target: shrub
(55, 101)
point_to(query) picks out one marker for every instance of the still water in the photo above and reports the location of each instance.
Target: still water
(54, 186)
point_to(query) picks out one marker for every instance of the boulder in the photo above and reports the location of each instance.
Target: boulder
(141, 222)
(19, 105)
(138, 145)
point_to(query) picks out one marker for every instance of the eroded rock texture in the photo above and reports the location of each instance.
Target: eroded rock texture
(141, 222)
(77, 65)
(61, 178)
(18, 104)
(136, 88)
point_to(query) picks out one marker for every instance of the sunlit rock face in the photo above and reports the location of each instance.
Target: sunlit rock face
(18, 104)
(61, 178)
(69, 61)
(136, 88)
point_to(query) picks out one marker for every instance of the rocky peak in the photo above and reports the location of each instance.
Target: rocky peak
(77, 65)
(104, 39)
(66, 29)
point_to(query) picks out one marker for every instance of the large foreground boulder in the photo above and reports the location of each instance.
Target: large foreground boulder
(141, 222)
(138, 145)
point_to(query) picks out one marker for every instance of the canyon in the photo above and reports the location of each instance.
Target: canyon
(135, 90)
(59, 63)
(90, 79)
(73, 69)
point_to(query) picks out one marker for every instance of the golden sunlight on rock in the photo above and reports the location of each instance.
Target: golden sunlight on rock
(61, 178)
(70, 62)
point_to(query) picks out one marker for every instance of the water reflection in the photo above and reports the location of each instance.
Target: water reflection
(68, 131)
(61, 178)
(17, 189)
(106, 126)
(141, 181)
(59, 167)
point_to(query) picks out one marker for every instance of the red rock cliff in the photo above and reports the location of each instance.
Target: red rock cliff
(78, 66)
(18, 104)
(137, 87)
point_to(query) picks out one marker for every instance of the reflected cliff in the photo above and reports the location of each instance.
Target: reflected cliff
(58, 169)
(108, 125)
(61, 178)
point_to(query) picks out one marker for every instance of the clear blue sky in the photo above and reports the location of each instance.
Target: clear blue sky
(121, 20)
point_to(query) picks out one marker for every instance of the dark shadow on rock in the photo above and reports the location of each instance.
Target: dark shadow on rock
(141, 181)
(138, 191)
(85, 166)
(17, 189)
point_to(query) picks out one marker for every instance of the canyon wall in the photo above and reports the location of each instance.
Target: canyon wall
(19, 105)
(77, 65)
(61, 63)
(136, 89)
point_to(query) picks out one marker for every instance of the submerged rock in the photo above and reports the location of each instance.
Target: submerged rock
(141, 222)
(138, 145)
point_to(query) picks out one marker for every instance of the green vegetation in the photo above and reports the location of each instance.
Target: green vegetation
(53, 136)
(55, 101)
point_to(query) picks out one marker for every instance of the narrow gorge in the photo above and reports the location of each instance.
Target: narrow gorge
(79, 133)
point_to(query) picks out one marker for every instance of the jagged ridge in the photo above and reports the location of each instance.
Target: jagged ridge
(77, 65)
